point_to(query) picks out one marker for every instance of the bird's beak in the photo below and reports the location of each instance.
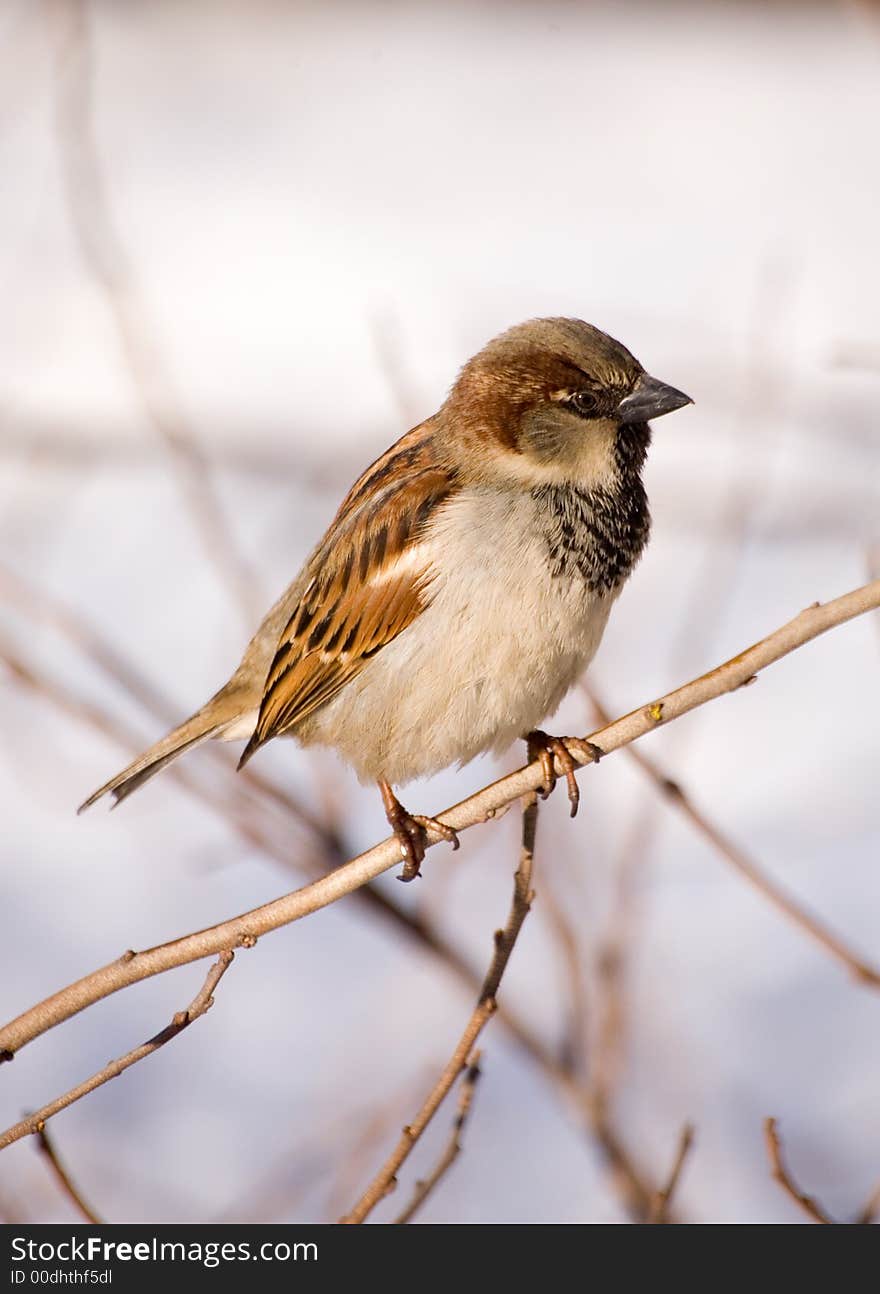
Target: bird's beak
(649, 399)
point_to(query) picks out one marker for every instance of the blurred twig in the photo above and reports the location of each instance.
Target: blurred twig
(490, 802)
(658, 1212)
(228, 802)
(708, 597)
(105, 257)
(372, 1128)
(871, 1209)
(40, 607)
(585, 1074)
(808, 1204)
(296, 1169)
(505, 940)
(627, 1173)
(611, 967)
(202, 1002)
(424, 1188)
(64, 1179)
(672, 791)
(780, 1172)
(575, 1049)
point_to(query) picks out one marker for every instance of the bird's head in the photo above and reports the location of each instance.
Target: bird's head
(557, 400)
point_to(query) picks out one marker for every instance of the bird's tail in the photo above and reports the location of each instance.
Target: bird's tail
(213, 720)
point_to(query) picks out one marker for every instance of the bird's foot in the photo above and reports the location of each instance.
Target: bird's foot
(411, 830)
(550, 750)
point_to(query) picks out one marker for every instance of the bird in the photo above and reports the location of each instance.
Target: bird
(464, 584)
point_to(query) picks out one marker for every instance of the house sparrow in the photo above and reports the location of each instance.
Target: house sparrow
(465, 582)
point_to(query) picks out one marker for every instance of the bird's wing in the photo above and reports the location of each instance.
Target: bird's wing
(366, 582)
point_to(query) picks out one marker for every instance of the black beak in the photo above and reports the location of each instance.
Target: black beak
(650, 399)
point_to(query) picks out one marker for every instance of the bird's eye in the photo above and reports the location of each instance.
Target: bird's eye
(584, 402)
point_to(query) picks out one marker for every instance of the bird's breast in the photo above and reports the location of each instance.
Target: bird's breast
(594, 535)
(503, 637)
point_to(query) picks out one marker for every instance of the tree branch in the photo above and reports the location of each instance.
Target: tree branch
(201, 1003)
(64, 1179)
(869, 1211)
(780, 1172)
(492, 801)
(659, 1210)
(424, 1188)
(627, 1175)
(673, 791)
(521, 903)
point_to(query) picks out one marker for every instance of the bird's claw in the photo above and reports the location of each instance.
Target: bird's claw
(589, 752)
(548, 750)
(411, 830)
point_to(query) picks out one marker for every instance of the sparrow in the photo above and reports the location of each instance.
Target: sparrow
(465, 582)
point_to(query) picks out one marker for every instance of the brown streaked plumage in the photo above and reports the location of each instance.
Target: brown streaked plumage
(466, 579)
(362, 592)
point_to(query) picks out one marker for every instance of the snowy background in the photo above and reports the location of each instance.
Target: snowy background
(304, 218)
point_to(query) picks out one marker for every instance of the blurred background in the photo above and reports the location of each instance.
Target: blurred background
(244, 246)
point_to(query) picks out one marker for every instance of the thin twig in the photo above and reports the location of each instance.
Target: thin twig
(672, 791)
(575, 1047)
(230, 801)
(627, 1173)
(693, 638)
(105, 258)
(40, 606)
(488, 803)
(871, 1209)
(201, 1003)
(291, 1176)
(64, 1179)
(780, 1172)
(612, 969)
(386, 1179)
(43, 608)
(453, 1149)
(659, 1210)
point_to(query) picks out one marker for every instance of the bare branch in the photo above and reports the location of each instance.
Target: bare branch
(386, 1179)
(673, 791)
(869, 1213)
(485, 804)
(780, 1172)
(658, 1212)
(424, 1188)
(64, 1179)
(228, 801)
(611, 968)
(201, 1003)
(44, 609)
(627, 1175)
(564, 1080)
(575, 1047)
